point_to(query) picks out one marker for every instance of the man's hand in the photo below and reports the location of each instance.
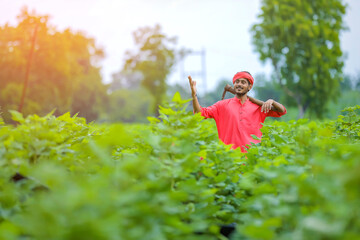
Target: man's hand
(266, 107)
(272, 105)
(192, 86)
(196, 104)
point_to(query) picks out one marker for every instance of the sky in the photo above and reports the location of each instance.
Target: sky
(221, 28)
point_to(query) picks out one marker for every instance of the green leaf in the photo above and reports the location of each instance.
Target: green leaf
(166, 111)
(280, 160)
(279, 138)
(208, 172)
(235, 178)
(153, 120)
(257, 232)
(177, 98)
(255, 137)
(17, 116)
(220, 178)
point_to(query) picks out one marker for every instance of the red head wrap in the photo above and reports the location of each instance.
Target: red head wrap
(243, 75)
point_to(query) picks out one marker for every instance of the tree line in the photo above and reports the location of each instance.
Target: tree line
(59, 71)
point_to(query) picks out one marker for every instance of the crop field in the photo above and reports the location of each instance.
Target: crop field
(61, 178)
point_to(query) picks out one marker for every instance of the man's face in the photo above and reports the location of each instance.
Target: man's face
(242, 86)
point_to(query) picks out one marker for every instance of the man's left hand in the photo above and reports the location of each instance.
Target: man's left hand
(266, 107)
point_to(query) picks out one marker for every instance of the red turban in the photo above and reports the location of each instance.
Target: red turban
(243, 75)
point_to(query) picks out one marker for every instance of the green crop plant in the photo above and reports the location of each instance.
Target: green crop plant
(61, 178)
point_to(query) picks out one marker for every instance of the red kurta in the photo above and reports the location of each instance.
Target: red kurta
(236, 122)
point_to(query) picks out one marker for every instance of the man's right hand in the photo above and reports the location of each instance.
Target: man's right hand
(192, 86)
(196, 105)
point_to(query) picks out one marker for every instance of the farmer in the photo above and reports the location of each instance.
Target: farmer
(238, 118)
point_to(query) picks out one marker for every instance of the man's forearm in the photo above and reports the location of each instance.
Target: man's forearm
(278, 107)
(196, 105)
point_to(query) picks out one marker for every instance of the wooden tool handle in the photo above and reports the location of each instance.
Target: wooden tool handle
(230, 89)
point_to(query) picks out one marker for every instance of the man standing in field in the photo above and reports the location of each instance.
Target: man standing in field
(238, 118)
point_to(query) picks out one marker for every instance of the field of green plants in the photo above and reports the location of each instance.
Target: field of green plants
(61, 178)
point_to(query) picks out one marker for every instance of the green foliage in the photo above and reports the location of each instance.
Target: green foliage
(304, 182)
(42, 139)
(64, 72)
(348, 124)
(173, 179)
(301, 40)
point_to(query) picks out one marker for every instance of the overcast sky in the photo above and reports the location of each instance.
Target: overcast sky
(221, 27)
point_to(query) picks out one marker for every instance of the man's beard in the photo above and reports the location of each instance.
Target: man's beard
(242, 93)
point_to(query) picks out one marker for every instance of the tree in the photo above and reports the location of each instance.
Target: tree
(64, 74)
(301, 40)
(154, 59)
